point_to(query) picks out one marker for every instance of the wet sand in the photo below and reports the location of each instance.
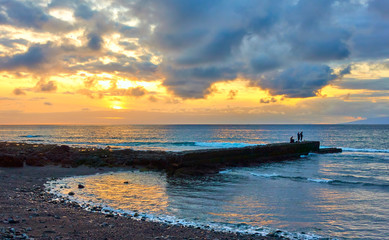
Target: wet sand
(27, 212)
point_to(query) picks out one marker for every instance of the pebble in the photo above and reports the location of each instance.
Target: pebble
(81, 186)
(12, 221)
(71, 193)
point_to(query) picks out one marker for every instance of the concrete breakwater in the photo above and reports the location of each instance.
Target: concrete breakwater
(196, 162)
(200, 161)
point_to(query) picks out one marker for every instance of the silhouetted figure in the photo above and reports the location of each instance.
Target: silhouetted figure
(291, 139)
(298, 136)
(301, 136)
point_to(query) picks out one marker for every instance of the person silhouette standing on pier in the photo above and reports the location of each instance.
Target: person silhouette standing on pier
(301, 136)
(298, 136)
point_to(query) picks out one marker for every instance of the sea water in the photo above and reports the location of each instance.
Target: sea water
(343, 195)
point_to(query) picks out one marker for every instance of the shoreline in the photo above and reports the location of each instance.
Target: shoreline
(28, 212)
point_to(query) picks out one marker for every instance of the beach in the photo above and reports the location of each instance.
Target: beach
(311, 196)
(27, 211)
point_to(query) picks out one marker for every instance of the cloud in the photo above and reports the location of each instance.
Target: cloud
(11, 43)
(197, 43)
(45, 86)
(48, 103)
(29, 14)
(299, 81)
(194, 82)
(24, 14)
(232, 94)
(135, 92)
(268, 100)
(95, 41)
(34, 57)
(84, 11)
(381, 84)
(19, 91)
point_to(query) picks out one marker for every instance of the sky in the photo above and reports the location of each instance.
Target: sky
(193, 61)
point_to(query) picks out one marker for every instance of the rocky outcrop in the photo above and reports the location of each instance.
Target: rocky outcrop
(8, 160)
(201, 162)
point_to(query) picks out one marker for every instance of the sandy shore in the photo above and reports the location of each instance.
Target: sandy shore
(26, 212)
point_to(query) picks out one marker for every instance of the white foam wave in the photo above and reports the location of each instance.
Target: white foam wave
(298, 178)
(368, 150)
(266, 175)
(222, 144)
(320, 180)
(225, 171)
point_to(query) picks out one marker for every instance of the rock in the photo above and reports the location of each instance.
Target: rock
(126, 182)
(8, 160)
(71, 193)
(13, 221)
(37, 161)
(81, 186)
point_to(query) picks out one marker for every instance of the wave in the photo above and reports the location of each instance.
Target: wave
(320, 180)
(367, 150)
(30, 136)
(165, 144)
(223, 144)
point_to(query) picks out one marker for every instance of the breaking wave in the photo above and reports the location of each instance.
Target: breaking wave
(320, 180)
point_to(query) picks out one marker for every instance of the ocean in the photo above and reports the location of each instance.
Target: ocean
(343, 195)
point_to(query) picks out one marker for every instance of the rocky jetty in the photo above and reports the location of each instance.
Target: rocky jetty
(196, 162)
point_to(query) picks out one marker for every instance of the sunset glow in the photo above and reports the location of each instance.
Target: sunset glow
(101, 56)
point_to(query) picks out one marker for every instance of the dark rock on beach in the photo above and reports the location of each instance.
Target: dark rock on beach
(8, 160)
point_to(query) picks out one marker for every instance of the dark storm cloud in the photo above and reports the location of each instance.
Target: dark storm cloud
(218, 49)
(24, 14)
(300, 81)
(264, 63)
(84, 11)
(194, 82)
(284, 46)
(276, 35)
(34, 56)
(28, 14)
(95, 41)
